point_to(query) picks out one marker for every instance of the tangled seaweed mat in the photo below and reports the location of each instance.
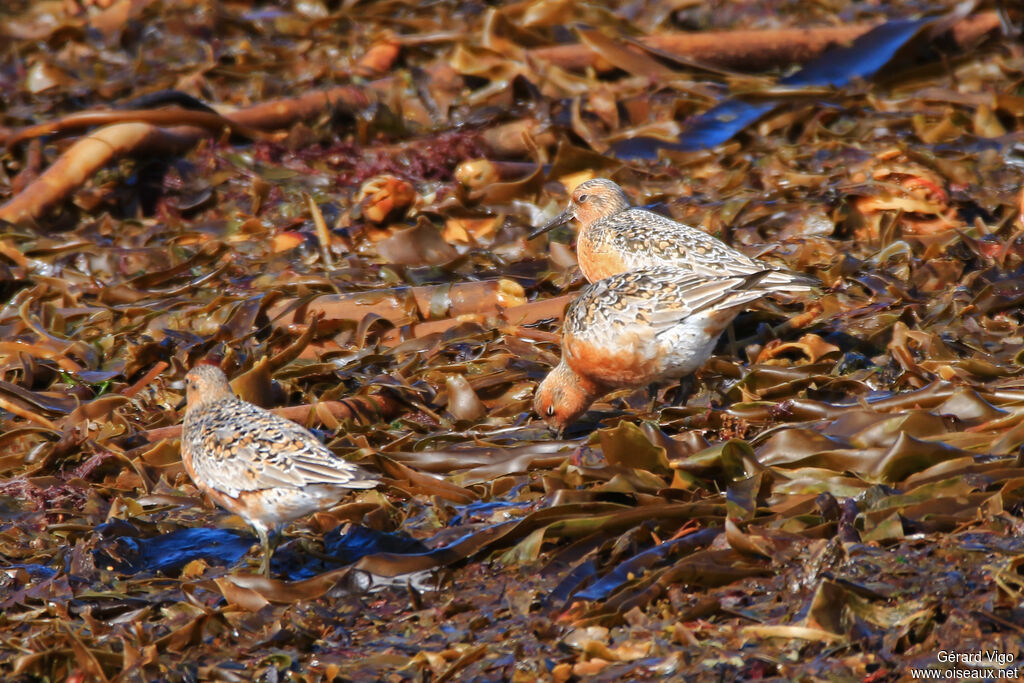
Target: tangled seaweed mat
(840, 500)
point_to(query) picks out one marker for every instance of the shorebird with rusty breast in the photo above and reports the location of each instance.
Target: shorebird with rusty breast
(615, 237)
(634, 329)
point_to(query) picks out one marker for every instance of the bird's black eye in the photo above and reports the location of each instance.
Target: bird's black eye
(551, 410)
(582, 198)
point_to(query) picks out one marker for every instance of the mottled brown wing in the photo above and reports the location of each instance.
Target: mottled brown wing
(656, 299)
(673, 243)
(653, 240)
(255, 449)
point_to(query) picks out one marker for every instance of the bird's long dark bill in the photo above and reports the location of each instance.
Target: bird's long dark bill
(182, 403)
(560, 219)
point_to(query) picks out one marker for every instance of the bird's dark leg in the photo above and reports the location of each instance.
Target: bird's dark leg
(652, 396)
(730, 333)
(683, 392)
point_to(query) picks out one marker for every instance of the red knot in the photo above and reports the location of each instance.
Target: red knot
(633, 329)
(258, 465)
(615, 238)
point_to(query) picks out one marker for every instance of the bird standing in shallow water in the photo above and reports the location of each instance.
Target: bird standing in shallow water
(615, 238)
(633, 329)
(258, 465)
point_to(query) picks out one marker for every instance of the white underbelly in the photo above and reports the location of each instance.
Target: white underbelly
(685, 347)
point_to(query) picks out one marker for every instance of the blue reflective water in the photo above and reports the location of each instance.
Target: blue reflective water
(837, 67)
(172, 551)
